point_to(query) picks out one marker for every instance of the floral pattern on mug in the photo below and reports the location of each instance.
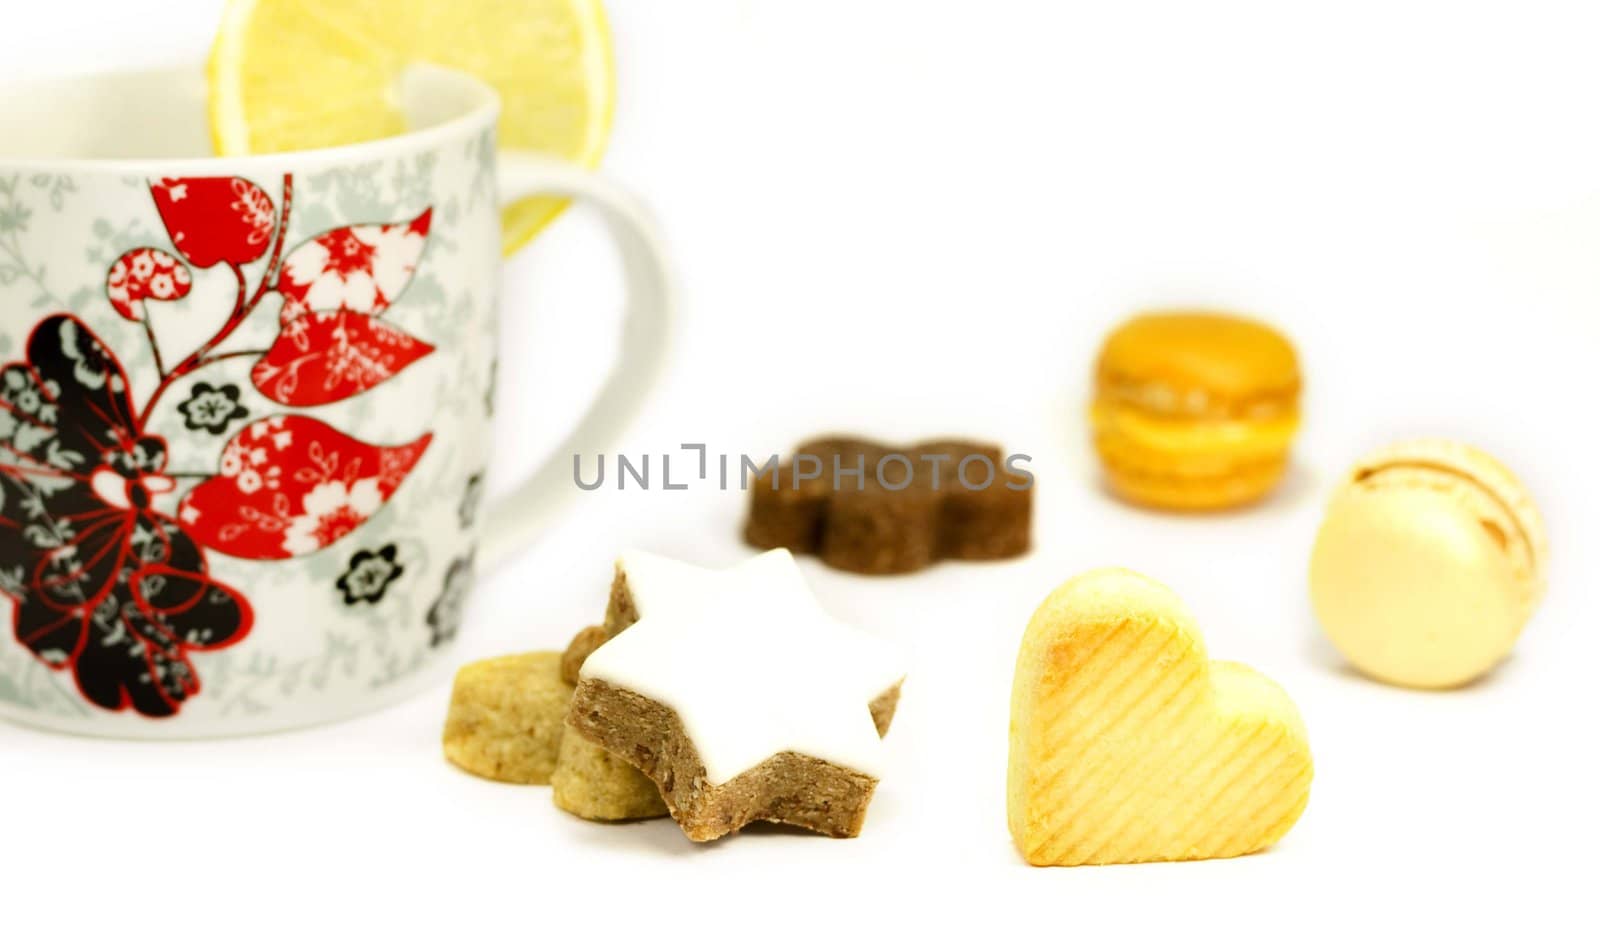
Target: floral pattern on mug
(444, 616)
(471, 499)
(370, 574)
(211, 408)
(145, 273)
(112, 588)
(117, 590)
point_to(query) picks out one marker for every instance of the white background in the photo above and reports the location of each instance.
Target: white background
(920, 217)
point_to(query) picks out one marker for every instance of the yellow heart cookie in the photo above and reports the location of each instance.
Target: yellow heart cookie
(1129, 745)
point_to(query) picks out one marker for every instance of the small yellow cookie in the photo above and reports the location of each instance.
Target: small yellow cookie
(589, 781)
(587, 641)
(506, 717)
(1129, 745)
(592, 783)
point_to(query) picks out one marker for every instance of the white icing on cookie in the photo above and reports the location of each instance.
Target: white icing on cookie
(750, 662)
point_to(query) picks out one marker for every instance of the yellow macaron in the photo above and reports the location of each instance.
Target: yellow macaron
(1195, 410)
(1430, 560)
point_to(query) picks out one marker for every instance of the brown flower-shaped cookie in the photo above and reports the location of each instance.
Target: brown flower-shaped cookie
(878, 509)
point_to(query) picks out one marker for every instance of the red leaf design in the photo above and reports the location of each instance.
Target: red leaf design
(323, 357)
(219, 219)
(362, 268)
(291, 485)
(145, 273)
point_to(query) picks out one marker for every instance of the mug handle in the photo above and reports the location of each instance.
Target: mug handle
(513, 519)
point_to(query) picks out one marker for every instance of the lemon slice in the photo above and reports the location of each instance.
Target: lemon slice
(302, 74)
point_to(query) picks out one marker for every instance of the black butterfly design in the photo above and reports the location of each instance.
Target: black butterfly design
(104, 584)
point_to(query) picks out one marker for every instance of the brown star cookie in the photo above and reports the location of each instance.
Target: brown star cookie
(876, 509)
(738, 696)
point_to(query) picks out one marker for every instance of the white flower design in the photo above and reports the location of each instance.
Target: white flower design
(357, 269)
(331, 509)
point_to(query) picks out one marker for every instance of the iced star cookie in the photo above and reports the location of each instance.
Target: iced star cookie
(739, 696)
(505, 719)
(1129, 745)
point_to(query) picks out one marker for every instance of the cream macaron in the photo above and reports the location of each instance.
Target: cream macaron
(1430, 560)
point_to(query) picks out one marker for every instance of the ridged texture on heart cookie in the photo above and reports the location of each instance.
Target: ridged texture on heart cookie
(1129, 745)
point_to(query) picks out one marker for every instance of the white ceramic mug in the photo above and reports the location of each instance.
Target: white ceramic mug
(245, 403)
